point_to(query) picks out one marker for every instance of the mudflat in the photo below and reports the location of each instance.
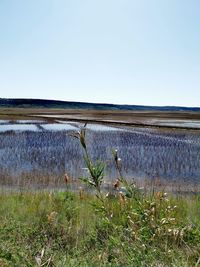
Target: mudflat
(178, 119)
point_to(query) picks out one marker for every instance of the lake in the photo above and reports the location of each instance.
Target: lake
(37, 154)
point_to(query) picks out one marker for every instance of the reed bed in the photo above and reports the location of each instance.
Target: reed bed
(39, 159)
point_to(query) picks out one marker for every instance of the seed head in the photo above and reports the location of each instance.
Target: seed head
(116, 184)
(66, 178)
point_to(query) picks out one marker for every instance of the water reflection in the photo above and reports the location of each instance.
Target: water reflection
(18, 127)
(38, 126)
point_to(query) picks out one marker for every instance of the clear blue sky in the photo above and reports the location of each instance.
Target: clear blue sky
(114, 51)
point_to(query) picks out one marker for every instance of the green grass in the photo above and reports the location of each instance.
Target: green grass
(75, 230)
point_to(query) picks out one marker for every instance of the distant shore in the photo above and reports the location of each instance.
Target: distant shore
(159, 119)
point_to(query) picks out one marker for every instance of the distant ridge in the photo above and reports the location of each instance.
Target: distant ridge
(43, 103)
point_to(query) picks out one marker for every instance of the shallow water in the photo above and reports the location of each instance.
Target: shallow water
(4, 121)
(177, 123)
(38, 155)
(39, 126)
(18, 127)
(58, 127)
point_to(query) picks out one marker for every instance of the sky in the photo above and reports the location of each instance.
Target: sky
(144, 52)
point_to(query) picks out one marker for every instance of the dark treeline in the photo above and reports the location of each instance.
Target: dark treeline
(44, 103)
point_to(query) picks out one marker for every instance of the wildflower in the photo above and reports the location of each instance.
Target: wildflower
(80, 192)
(118, 162)
(153, 210)
(122, 198)
(108, 194)
(38, 260)
(115, 155)
(159, 195)
(52, 217)
(116, 184)
(66, 178)
(82, 136)
(153, 204)
(163, 221)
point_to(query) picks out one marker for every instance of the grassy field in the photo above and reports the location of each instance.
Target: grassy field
(67, 229)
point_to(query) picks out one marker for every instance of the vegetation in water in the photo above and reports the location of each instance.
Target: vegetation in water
(123, 227)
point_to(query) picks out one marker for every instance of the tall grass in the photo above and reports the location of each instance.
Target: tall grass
(123, 227)
(79, 230)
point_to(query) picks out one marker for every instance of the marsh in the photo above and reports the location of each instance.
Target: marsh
(37, 153)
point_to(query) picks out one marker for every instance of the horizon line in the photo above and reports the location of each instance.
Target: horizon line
(97, 103)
